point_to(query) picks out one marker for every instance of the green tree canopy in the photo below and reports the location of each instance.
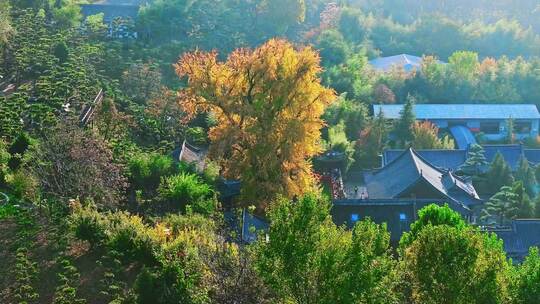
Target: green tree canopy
(308, 259)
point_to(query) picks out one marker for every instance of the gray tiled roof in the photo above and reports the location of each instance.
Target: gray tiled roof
(406, 170)
(532, 155)
(525, 233)
(444, 159)
(453, 159)
(463, 111)
(511, 153)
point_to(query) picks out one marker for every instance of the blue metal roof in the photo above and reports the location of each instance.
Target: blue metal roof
(463, 137)
(463, 111)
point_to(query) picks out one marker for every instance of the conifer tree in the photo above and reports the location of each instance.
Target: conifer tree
(403, 128)
(476, 161)
(372, 141)
(510, 131)
(501, 206)
(498, 175)
(526, 175)
(509, 203)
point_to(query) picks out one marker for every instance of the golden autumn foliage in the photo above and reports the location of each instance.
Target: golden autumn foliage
(268, 103)
(425, 136)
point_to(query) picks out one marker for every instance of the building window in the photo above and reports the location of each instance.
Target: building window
(522, 127)
(490, 127)
(355, 217)
(402, 217)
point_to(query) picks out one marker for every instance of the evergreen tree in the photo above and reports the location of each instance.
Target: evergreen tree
(476, 161)
(501, 206)
(526, 175)
(524, 206)
(537, 207)
(509, 203)
(498, 175)
(510, 131)
(372, 141)
(403, 128)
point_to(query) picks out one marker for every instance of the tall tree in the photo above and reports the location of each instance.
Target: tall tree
(72, 163)
(265, 100)
(510, 131)
(403, 128)
(525, 174)
(372, 141)
(498, 175)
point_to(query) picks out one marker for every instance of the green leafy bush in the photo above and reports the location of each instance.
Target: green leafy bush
(147, 169)
(24, 185)
(187, 189)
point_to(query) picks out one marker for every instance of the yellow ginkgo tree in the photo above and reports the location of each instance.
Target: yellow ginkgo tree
(268, 104)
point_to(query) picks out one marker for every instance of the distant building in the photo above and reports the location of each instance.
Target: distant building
(407, 63)
(112, 9)
(118, 15)
(398, 214)
(247, 226)
(453, 159)
(490, 119)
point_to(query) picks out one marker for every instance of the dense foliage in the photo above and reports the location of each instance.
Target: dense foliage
(99, 203)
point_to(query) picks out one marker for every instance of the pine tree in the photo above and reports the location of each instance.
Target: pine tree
(524, 206)
(498, 175)
(501, 206)
(509, 203)
(536, 206)
(510, 131)
(526, 175)
(403, 128)
(476, 161)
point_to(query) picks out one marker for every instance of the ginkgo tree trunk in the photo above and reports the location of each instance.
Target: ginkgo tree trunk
(268, 104)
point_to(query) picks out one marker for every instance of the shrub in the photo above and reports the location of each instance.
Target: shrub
(183, 189)
(178, 223)
(17, 149)
(24, 185)
(130, 236)
(89, 225)
(147, 169)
